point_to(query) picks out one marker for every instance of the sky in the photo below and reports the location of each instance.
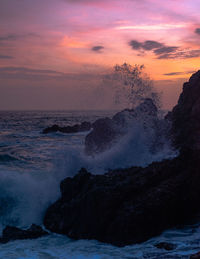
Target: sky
(54, 53)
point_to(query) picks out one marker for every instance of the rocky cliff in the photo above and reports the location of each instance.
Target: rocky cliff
(185, 116)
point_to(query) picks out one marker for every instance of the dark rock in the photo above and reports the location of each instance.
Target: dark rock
(128, 206)
(14, 233)
(165, 245)
(104, 133)
(107, 132)
(185, 116)
(84, 126)
(195, 256)
(132, 205)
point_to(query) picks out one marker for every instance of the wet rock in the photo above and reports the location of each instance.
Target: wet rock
(13, 233)
(106, 132)
(128, 206)
(84, 126)
(165, 245)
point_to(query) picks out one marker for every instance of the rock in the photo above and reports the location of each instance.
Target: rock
(104, 134)
(14, 233)
(165, 245)
(84, 126)
(185, 116)
(128, 206)
(195, 256)
(107, 132)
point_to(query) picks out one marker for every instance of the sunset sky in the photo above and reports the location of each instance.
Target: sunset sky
(53, 53)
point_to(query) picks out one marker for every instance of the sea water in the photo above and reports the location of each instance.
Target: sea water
(32, 165)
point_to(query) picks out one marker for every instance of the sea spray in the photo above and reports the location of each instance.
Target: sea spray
(143, 143)
(24, 197)
(26, 193)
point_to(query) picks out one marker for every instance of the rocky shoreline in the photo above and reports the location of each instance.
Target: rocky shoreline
(128, 206)
(132, 205)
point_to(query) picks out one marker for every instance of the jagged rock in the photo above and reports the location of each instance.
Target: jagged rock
(185, 116)
(84, 126)
(14, 233)
(108, 131)
(165, 245)
(128, 206)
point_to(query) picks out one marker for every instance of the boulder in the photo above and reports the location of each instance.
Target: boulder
(13, 233)
(84, 126)
(106, 132)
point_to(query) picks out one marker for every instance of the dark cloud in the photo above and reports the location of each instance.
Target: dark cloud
(181, 54)
(8, 37)
(159, 49)
(97, 48)
(197, 31)
(146, 45)
(166, 56)
(28, 70)
(165, 50)
(24, 73)
(135, 44)
(178, 73)
(5, 57)
(14, 37)
(150, 44)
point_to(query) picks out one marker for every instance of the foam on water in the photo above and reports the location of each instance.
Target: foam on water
(56, 246)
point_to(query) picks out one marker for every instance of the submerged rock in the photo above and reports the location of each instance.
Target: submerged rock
(14, 233)
(84, 126)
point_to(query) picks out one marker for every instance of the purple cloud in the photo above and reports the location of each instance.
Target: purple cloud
(197, 31)
(97, 48)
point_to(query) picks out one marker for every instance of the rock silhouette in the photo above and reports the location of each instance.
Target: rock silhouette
(84, 126)
(106, 132)
(127, 206)
(13, 233)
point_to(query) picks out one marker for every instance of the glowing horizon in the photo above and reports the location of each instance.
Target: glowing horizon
(77, 40)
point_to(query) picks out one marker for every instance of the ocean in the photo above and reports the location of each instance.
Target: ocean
(33, 164)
